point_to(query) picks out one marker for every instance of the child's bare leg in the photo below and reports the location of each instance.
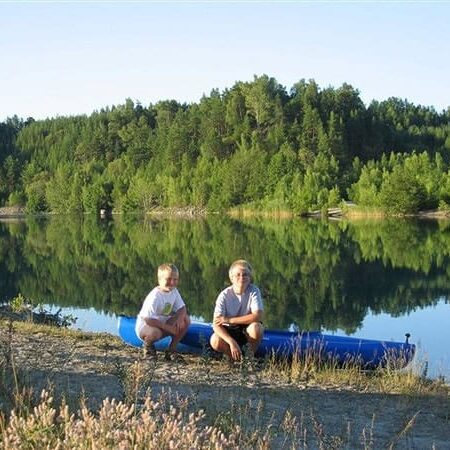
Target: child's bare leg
(150, 335)
(255, 332)
(182, 331)
(219, 345)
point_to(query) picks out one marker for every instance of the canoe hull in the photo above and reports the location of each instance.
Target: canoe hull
(285, 344)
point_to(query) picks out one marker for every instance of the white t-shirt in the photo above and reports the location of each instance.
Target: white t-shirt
(230, 304)
(159, 305)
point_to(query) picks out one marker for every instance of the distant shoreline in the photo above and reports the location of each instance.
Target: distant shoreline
(195, 212)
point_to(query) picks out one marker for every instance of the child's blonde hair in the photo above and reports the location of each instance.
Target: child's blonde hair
(167, 267)
(240, 263)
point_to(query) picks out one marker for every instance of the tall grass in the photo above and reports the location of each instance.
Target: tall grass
(157, 424)
(310, 368)
(15, 392)
(167, 423)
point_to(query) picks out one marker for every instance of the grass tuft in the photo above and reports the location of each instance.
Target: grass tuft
(158, 423)
(310, 369)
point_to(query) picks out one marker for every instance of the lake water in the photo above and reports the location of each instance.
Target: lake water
(371, 279)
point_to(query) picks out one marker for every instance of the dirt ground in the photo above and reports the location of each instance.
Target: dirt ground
(79, 363)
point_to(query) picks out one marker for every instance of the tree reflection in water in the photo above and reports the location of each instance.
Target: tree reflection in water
(313, 274)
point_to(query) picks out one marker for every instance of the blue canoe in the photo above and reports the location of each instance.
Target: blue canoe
(285, 344)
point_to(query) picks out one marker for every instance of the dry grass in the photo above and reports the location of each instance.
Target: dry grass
(247, 213)
(329, 374)
(360, 212)
(169, 423)
(156, 424)
(145, 419)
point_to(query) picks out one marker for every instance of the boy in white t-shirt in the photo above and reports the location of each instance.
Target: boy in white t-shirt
(163, 313)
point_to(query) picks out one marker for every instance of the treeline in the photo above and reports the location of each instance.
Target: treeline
(255, 144)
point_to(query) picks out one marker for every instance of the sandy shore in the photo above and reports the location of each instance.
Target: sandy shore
(191, 212)
(80, 362)
(12, 211)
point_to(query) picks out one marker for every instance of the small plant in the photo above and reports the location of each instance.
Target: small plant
(326, 441)
(14, 391)
(404, 432)
(19, 304)
(134, 378)
(25, 310)
(290, 427)
(444, 206)
(225, 421)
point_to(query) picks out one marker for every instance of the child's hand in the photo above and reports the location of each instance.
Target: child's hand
(235, 351)
(220, 320)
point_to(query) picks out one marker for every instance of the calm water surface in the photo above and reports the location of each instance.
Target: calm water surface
(373, 279)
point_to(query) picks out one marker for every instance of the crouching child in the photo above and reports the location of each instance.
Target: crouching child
(163, 313)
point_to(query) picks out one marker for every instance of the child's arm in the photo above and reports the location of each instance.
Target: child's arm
(170, 329)
(240, 320)
(180, 316)
(181, 313)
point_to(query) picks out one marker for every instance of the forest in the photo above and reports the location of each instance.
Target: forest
(256, 145)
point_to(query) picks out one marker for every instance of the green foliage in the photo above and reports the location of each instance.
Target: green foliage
(95, 196)
(252, 143)
(366, 190)
(401, 183)
(35, 192)
(402, 193)
(58, 191)
(315, 190)
(141, 195)
(16, 199)
(18, 303)
(201, 183)
(243, 176)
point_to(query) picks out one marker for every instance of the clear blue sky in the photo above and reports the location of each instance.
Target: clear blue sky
(69, 58)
